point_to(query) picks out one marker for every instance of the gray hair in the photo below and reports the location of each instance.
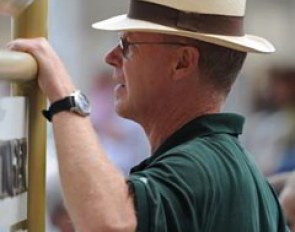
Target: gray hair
(219, 65)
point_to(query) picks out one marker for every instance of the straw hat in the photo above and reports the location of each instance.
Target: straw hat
(215, 21)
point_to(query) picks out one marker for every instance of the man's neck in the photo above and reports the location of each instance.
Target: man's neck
(163, 127)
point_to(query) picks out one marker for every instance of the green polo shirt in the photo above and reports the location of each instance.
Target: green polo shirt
(203, 179)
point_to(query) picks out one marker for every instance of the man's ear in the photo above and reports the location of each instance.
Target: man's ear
(187, 61)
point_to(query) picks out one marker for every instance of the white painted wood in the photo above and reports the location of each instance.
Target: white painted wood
(13, 117)
(13, 121)
(12, 211)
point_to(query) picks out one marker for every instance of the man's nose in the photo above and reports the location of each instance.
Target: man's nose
(114, 57)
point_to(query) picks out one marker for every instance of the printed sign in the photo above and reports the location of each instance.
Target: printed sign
(13, 164)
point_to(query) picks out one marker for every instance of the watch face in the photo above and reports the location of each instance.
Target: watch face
(82, 104)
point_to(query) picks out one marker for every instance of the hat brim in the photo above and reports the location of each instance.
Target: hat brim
(247, 43)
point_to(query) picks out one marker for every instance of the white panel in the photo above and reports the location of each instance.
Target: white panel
(12, 211)
(12, 118)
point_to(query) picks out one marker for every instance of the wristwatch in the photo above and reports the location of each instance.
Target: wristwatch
(77, 102)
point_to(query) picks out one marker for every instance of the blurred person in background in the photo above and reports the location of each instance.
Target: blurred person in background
(271, 133)
(283, 95)
(61, 219)
(282, 98)
(286, 183)
(58, 219)
(173, 72)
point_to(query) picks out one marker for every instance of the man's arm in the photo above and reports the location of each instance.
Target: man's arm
(96, 194)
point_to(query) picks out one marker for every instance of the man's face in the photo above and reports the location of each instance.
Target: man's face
(141, 75)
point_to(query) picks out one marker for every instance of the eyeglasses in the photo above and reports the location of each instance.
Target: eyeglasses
(124, 44)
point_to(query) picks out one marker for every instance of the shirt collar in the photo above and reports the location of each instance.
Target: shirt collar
(221, 123)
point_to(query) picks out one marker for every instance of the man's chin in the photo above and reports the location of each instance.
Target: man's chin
(122, 111)
(126, 113)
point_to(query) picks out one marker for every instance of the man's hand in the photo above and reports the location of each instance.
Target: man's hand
(53, 78)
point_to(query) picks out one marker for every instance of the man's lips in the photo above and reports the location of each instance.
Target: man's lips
(119, 86)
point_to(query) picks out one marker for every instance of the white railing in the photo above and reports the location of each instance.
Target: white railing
(17, 66)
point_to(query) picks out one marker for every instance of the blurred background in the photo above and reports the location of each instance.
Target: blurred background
(264, 93)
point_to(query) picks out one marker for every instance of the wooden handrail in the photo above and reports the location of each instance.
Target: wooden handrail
(17, 66)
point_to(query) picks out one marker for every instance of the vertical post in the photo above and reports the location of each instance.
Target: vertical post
(33, 23)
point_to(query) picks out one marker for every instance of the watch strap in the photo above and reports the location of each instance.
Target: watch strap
(65, 104)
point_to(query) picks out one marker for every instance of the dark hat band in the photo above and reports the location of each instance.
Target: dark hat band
(203, 23)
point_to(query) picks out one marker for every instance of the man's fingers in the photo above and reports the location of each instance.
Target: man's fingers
(32, 46)
(11, 46)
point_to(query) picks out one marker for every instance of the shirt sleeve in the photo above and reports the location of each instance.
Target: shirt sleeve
(164, 195)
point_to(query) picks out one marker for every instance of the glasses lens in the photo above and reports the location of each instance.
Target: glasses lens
(123, 44)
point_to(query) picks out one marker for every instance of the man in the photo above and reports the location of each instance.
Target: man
(199, 177)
